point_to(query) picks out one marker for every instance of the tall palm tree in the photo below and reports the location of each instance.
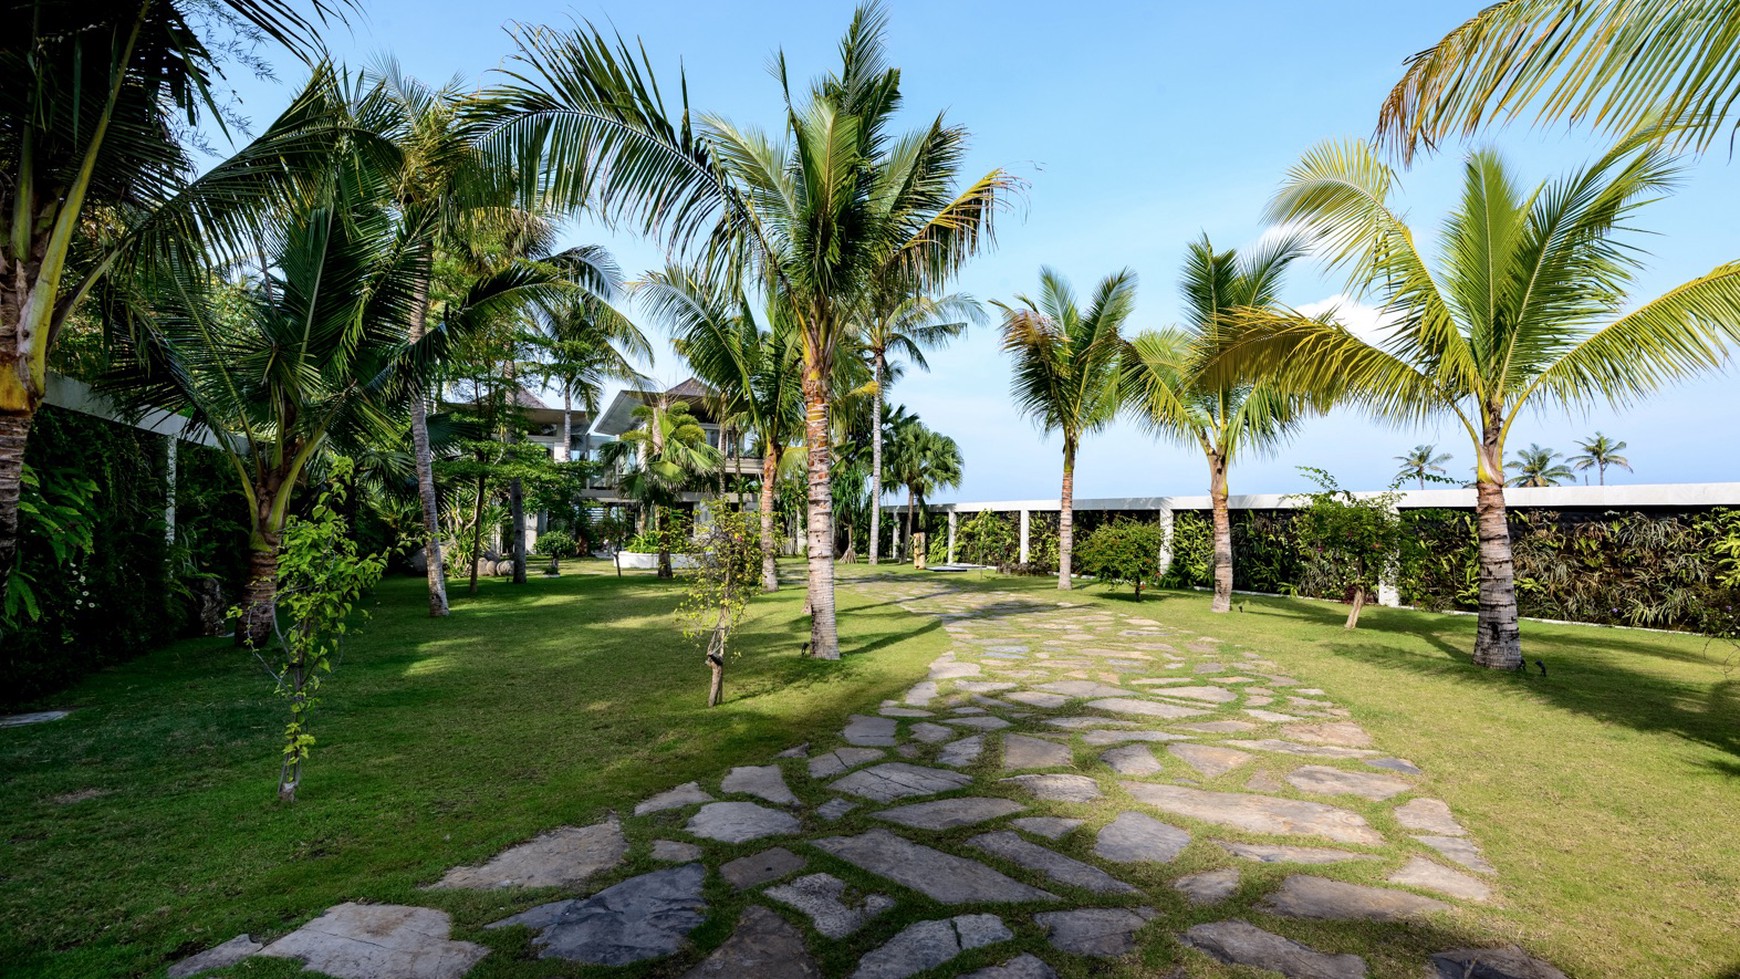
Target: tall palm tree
(1598, 453)
(899, 324)
(1535, 466)
(924, 462)
(1663, 64)
(813, 214)
(1066, 371)
(1169, 395)
(754, 369)
(1527, 305)
(1421, 460)
(661, 458)
(581, 342)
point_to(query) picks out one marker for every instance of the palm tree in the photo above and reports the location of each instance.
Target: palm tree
(813, 216)
(755, 371)
(1598, 453)
(903, 325)
(1066, 371)
(1419, 461)
(581, 342)
(1535, 466)
(1169, 395)
(923, 461)
(661, 458)
(1527, 305)
(1666, 65)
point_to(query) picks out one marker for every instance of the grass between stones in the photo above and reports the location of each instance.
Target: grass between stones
(1603, 792)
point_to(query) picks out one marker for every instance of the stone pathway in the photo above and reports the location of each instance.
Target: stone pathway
(1074, 788)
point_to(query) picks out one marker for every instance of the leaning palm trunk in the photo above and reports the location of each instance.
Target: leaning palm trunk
(876, 462)
(824, 631)
(1498, 637)
(1066, 516)
(769, 475)
(426, 476)
(1223, 552)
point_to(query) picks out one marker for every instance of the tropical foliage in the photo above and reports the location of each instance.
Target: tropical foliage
(1597, 453)
(1123, 552)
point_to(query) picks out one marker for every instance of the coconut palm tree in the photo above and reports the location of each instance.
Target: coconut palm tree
(1535, 466)
(1066, 371)
(1527, 306)
(902, 325)
(1420, 461)
(659, 459)
(923, 462)
(1168, 394)
(813, 214)
(1665, 65)
(581, 342)
(1598, 453)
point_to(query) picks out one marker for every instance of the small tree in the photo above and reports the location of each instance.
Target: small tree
(1355, 542)
(1123, 552)
(320, 579)
(557, 544)
(725, 577)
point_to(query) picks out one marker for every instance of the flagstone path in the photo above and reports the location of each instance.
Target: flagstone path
(1045, 780)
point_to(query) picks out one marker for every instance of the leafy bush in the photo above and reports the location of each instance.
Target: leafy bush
(1192, 552)
(557, 544)
(988, 538)
(1122, 552)
(1351, 544)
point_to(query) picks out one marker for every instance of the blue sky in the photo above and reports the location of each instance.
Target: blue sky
(1138, 127)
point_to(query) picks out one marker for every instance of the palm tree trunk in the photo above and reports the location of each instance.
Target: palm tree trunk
(911, 527)
(1223, 555)
(769, 476)
(658, 525)
(517, 513)
(567, 425)
(1066, 516)
(434, 566)
(477, 534)
(1498, 637)
(255, 625)
(824, 630)
(14, 434)
(876, 460)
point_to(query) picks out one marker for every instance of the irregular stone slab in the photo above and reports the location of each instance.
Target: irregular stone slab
(931, 733)
(797, 752)
(1146, 708)
(835, 808)
(1212, 695)
(1307, 750)
(1258, 813)
(1211, 760)
(1104, 933)
(1131, 759)
(870, 732)
(1264, 781)
(1273, 717)
(537, 919)
(1242, 943)
(949, 671)
(1220, 727)
(687, 794)
(1461, 851)
(1082, 688)
(1300, 896)
(1429, 816)
(1059, 788)
(950, 813)
(899, 780)
(889, 711)
(1422, 873)
(645, 917)
(1050, 827)
(1021, 751)
(1135, 837)
(985, 686)
(1344, 733)
(43, 717)
(963, 711)
(1490, 963)
(1270, 853)
(216, 957)
(759, 868)
(1104, 737)
(740, 822)
(671, 851)
(928, 944)
(940, 876)
(1208, 668)
(959, 754)
(820, 896)
(1054, 865)
(762, 781)
(842, 759)
(1026, 966)
(922, 693)
(765, 946)
(1395, 765)
(1208, 887)
(379, 941)
(563, 857)
(1323, 780)
(983, 722)
(1034, 698)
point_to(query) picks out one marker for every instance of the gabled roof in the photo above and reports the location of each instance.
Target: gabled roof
(618, 417)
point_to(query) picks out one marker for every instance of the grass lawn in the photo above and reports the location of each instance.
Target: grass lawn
(144, 827)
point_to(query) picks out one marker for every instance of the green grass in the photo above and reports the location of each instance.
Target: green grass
(1605, 791)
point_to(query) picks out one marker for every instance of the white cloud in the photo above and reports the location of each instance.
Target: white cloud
(1372, 324)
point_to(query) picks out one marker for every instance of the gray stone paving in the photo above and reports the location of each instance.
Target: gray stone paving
(564, 857)
(740, 822)
(824, 899)
(379, 941)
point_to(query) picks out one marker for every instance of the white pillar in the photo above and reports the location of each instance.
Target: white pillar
(169, 493)
(1165, 538)
(1026, 525)
(951, 537)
